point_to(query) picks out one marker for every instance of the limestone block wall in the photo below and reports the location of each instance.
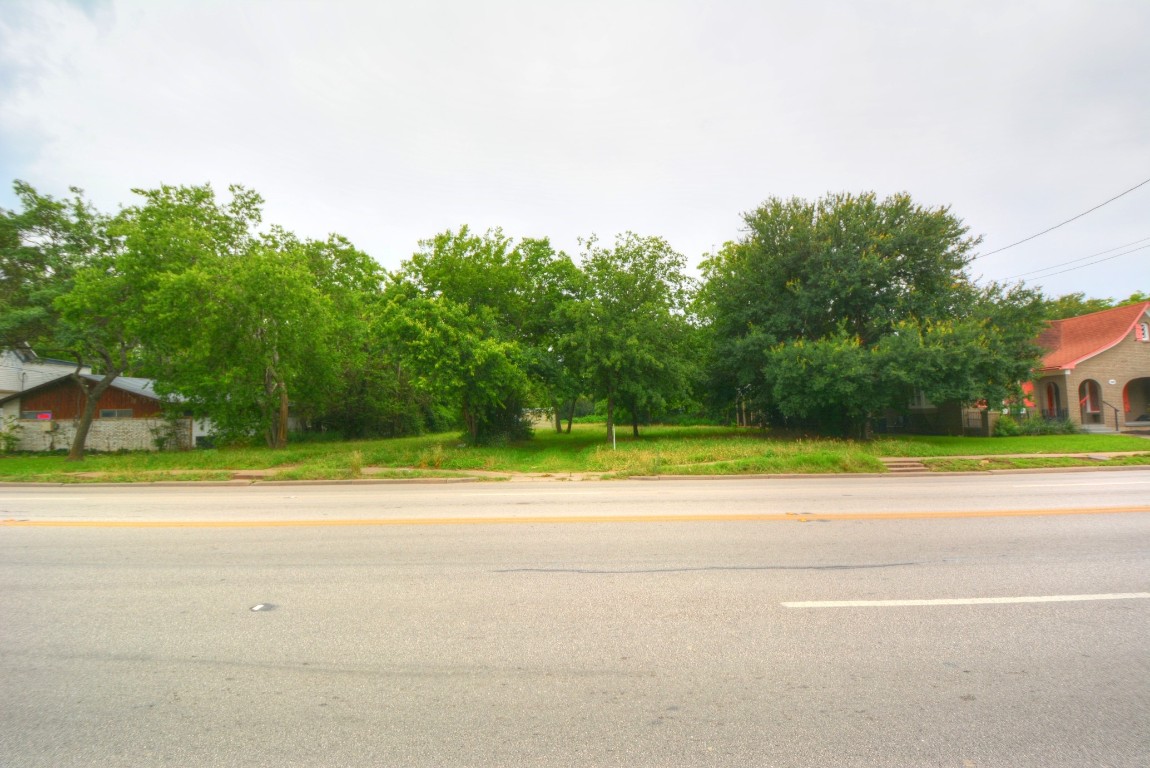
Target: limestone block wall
(105, 434)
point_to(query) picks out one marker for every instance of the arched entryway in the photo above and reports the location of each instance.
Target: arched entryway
(1090, 402)
(1052, 402)
(1136, 402)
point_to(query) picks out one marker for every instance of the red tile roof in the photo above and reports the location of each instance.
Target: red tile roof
(1070, 341)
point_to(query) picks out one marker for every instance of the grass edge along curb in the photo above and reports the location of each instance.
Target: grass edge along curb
(663, 451)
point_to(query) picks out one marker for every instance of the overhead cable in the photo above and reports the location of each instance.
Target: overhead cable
(1081, 258)
(1091, 264)
(1056, 226)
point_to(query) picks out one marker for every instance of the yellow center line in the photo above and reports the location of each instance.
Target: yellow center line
(558, 519)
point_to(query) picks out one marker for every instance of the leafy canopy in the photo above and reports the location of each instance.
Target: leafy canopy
(828, 312)
(630, 330)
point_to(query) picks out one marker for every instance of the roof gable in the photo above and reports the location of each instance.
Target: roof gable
(1070, 341)
(132, 385)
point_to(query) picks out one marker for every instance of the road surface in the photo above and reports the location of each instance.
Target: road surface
(951, 621)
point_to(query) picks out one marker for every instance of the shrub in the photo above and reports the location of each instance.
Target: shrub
(1047, 427)
(9, 434)
(690, 420)
(1007, 427)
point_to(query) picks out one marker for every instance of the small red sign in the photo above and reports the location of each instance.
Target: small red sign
(44, 416)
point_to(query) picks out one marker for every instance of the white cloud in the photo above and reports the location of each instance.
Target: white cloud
(388, 122)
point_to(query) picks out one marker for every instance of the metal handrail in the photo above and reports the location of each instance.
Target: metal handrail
(1117, 423)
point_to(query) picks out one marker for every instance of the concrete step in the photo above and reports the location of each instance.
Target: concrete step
(1098, 429)
(904, 466)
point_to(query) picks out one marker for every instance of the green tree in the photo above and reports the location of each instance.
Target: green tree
(514, 292)
(551, 285)
(260, 341)
(630, 330)
(239, 325)
(1073, 305)
(361, 401)
(65, 286)
(830, 312)
(41, 247)
(450, 354)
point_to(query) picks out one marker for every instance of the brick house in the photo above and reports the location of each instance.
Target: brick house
(1096, 370)
(128, 416)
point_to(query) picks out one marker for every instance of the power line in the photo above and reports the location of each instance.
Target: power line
(1056, 226)
(1081, 258)
(1091, 264)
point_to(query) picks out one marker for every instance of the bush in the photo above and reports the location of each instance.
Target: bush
(690, 420)
(1047, 427)
(499, 424)
(1007, 427)
(10, 429)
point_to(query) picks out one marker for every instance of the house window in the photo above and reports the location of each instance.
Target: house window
(115, 413)
(1144, 332)
(36, 415)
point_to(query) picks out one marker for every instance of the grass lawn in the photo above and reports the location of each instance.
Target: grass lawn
(932, 445)
(658, 450)
(985, 465)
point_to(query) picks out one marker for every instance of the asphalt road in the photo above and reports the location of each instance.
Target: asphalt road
(623, 624)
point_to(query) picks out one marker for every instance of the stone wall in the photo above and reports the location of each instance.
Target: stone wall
(106, 434)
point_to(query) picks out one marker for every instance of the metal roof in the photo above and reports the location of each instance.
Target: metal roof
(130, 384)
(141, 387)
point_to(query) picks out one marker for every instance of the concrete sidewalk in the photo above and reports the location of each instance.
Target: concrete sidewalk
(903, 465)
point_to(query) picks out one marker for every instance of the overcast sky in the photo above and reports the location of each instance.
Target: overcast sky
(388, 122)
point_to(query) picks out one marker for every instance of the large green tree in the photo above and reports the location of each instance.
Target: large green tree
(1075, 304)
(362, 399)
(453, 356)
(66, 287)
(514, 294)
(630, 330)
(42, 245)
(239, 324)
(829, 312)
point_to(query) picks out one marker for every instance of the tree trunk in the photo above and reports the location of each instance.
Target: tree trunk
(558, 416)
(571, 414)
(610, 415)
(91, 402)
(860, 428)
(634, 422)
(276, 435)
(281, 432)
(469, 421)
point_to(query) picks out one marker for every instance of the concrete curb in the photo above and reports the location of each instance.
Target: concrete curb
(253, 477)
(567, 479)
